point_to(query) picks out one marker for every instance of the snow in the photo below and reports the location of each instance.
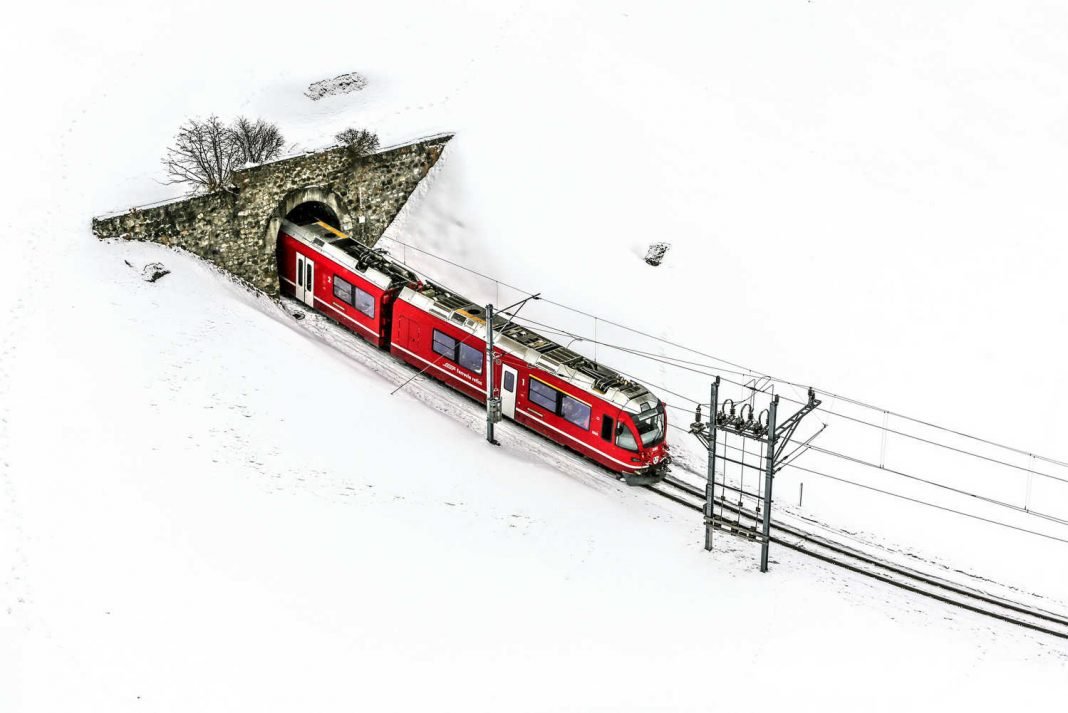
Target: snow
(205, 504)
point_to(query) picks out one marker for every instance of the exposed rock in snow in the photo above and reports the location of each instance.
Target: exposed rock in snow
(152, 271)
(656, 252)
(341, 84)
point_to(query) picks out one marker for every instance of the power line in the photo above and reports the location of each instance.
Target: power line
(665, 361)
(904, 497)
(992, 501)
(946, 429)
(861, 462)
(931, 505)
(746, 371)
(947, 447)
(826, 451)
(689, 366)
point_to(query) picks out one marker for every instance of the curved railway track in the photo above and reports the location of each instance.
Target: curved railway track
(865, 564)
(463, 409)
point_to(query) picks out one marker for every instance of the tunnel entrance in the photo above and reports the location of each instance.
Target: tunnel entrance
(304, 206)
(297, 279)
(312, 212)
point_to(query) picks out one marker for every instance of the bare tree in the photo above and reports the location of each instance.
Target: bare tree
(360, 142)
(204, 154)
(258, 140)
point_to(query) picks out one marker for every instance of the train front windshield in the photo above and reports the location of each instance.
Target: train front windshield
(650, 425)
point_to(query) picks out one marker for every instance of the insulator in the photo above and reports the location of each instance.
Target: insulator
(745, 422)
(697, 414)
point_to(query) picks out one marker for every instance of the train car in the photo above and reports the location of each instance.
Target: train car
(544, 386)
(338, 276)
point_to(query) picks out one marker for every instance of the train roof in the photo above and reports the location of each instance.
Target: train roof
(374, 265)
(515, 339)
(533, 348)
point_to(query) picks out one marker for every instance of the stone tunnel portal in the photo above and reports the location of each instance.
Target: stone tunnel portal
(303, 207)
(238, 230)
(314, 211)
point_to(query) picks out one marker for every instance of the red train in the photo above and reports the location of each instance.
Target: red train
(548, 388)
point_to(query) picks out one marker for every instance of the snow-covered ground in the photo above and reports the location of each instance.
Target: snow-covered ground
(205, 504)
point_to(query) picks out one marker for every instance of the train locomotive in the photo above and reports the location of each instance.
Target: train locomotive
(564, 396)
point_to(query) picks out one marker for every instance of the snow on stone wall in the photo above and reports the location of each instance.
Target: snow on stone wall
(236, 231)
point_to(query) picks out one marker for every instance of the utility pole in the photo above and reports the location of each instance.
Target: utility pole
(493, 403)
(773, 436)
(769, 476)
(710, 484)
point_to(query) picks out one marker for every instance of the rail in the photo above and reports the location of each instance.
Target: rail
(865, 564)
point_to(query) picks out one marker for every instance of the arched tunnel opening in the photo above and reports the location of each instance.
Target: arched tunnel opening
(312, 212)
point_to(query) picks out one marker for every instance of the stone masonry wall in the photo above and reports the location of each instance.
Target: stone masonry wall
(237, 231)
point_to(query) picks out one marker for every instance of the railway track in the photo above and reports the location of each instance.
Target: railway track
(458, 407)
(854, 560)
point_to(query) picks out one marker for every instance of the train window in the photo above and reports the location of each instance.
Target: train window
(651, 425)
(364, 302)
(470, 358)
(509, 381)
(444, 345)
(606, 428)
(543, 395)
(625, 438)
(308, 279)
(300, 273)
(575, 411)
(343, 290)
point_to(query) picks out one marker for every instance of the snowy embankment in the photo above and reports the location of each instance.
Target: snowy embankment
(268, 527)
(207, 505)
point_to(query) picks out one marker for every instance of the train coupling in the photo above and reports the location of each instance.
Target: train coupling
(650, 475)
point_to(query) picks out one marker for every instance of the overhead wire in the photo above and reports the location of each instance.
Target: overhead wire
(992, 501)
(929, 504)
(854, 419)
(942, 486)
(917, 501)
(742, 370)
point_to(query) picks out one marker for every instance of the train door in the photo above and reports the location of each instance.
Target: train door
(509, 383)
(415, 332)
(399, 334)
(305, 280)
